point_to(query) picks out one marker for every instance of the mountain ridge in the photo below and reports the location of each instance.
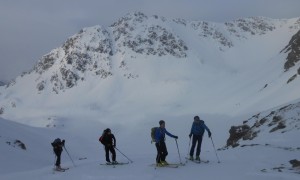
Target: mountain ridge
(159, 56)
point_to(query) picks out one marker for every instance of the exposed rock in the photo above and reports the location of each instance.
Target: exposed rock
(293, 50)
(281, 125)
(284, 119)
(17, 143)
(1, 110)
(292, 78)
(236, 133)
(2, 83)
(295, 163)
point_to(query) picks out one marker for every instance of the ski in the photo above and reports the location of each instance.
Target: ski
(113, 164)
(59, 170)
(177, 164)
(196, 161)
(165, 166)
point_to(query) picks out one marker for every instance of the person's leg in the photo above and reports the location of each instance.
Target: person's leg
(107, 153)
(158, 156)
(193, 145)
(164, 151)
(199, 139)
(58, 158)
(113, 152)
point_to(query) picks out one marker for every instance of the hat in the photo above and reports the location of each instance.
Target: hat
(161, 122)
(107, 130)
(196, 118)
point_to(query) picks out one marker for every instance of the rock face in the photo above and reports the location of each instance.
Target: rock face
(237, 133)
(281, 120)
(295, 163)
(91, 52)
(293, 50)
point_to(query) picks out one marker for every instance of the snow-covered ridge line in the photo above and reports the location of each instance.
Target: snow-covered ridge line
(92, 49)
(176, 63)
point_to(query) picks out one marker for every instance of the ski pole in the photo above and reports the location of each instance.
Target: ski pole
(178, 152)
(54, 160)
(124, 155)
(69, 156)
(189, 146)
(215, 149)
(188, 149)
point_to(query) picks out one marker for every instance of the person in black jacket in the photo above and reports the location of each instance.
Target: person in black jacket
(109, 142)
(58, 145)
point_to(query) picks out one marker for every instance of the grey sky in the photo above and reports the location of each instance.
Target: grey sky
(31, 28)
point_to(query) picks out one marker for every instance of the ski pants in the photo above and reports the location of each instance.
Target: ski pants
(57, 152)
(113, 152)
(197, 139)
(162, 151)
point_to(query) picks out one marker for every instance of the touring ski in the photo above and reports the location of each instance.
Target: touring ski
(165, 166)
(113, 164)
(60, 169)
(197, 161)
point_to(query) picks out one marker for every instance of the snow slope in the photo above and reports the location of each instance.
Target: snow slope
(250, 162)
(156, 65)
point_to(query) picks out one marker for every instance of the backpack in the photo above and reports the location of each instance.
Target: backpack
(56, 142)
(153, 130)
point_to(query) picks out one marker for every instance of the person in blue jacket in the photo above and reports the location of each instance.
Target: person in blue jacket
(197, 132)
(160, 144)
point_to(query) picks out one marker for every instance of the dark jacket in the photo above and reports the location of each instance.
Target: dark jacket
(57, 145)
(108, 139)
(198, 128)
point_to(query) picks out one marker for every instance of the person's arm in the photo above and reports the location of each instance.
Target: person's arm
(207, 129)
(171, 135)
(115, 142)
(190, 135)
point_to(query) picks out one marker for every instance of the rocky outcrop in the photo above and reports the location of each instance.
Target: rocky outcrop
(282, 120)
(293, 50)
(133, 32)
(295, 163)
(2, 83)
(90, 52)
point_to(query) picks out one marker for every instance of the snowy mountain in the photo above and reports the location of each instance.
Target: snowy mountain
(229, 68)
(142, 69)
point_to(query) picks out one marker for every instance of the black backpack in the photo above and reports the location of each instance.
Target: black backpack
(56, 142)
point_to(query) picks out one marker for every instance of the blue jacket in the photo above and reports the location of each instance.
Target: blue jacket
(198, 128)
(160, 134)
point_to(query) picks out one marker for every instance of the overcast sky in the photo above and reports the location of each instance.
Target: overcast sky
(32, 28)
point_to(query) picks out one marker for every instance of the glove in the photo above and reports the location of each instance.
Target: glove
(209, 134)
(63, 142)
(114, 146)
(190, 135)
(176, 137)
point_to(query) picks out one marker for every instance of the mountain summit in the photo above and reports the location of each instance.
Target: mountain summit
(154, 64)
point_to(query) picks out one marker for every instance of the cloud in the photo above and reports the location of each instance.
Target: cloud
(31, 28)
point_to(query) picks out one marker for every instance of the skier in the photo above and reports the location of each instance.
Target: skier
(197, 132)
(160, 144)
(109, 142)
(58, 145)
